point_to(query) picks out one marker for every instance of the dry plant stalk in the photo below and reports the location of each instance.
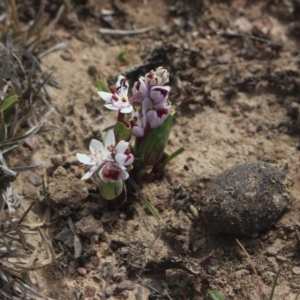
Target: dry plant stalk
(260, 294)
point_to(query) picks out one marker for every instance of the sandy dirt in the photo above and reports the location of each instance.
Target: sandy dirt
(237, 100)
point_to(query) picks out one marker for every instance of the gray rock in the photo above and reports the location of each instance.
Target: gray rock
(35, 179)
(275, 248)
(29, 191)
(246, 199)
(89, 227)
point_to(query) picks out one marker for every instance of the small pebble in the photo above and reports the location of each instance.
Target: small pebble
(85, 57)
(224, 59)
(29, 191)
(35, 179)
(243, 24)
(194, 211)
(81, 271)
(31, 142)
(95, 261)
(88, 268)
(296, 270)
(125, 285)
(89, 291)
(251, 128)
(66, 55)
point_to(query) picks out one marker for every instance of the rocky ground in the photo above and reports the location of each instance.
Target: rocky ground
(234, 69)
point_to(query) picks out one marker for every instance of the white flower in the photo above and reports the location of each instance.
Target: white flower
(123, 156)
(109, 154)
(158, 77)
(118, 99)
(138, 123)
(113, 172)
(99, 154)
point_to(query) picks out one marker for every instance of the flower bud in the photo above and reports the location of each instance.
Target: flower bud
(159, 94)
(163, 74)
(140, 90)
(151, 79)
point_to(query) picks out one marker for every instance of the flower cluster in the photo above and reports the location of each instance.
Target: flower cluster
(109, 159)
(145, 119)
(149, 102)
(152, 95)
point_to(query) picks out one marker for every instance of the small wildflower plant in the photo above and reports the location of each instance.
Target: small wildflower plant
(135, 147)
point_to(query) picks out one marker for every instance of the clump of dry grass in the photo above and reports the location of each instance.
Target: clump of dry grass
(23, 84)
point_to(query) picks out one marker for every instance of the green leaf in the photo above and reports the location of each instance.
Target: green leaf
(122, 55)
(150, 207)
(169, 157)
(144, 171)
(102, 87)
(151, 148)
(8, 102)
(214, 295)
(122, 132)
(111, 190)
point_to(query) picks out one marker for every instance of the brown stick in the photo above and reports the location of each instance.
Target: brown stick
(254, 270)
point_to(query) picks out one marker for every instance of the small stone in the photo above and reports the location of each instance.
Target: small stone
(29, 191)
(243, 24)
(85, 57)
(296, 270)
(35, 179)
(92, 70)
(89, 227)
(236, 113)
(125, 285)
(31, 142)
(88, 267)
(95, 261)
(251, 128)
(194, 211)
(81, 271)
(241, 273)
(275, 248)
(66, 55)
(66, 236)
(224, 59)
(246, 199)
(58, 160)
(90, 291)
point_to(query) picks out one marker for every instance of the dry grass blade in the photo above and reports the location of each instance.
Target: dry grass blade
(30, 167)
(19, 232)
(31, 132)
(77, 243)
(31, 291)
(56, 19)
(125, 32)
(45, 242)
(26, 212)
(57, 47)
(260, 294)
(48, 246)
(32, 259)
(34, 27)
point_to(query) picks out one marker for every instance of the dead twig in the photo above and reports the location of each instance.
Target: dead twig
(124, 32)
(253, 268)
(147, 285)
(26, 213)
(169, 297)
(56, 47)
